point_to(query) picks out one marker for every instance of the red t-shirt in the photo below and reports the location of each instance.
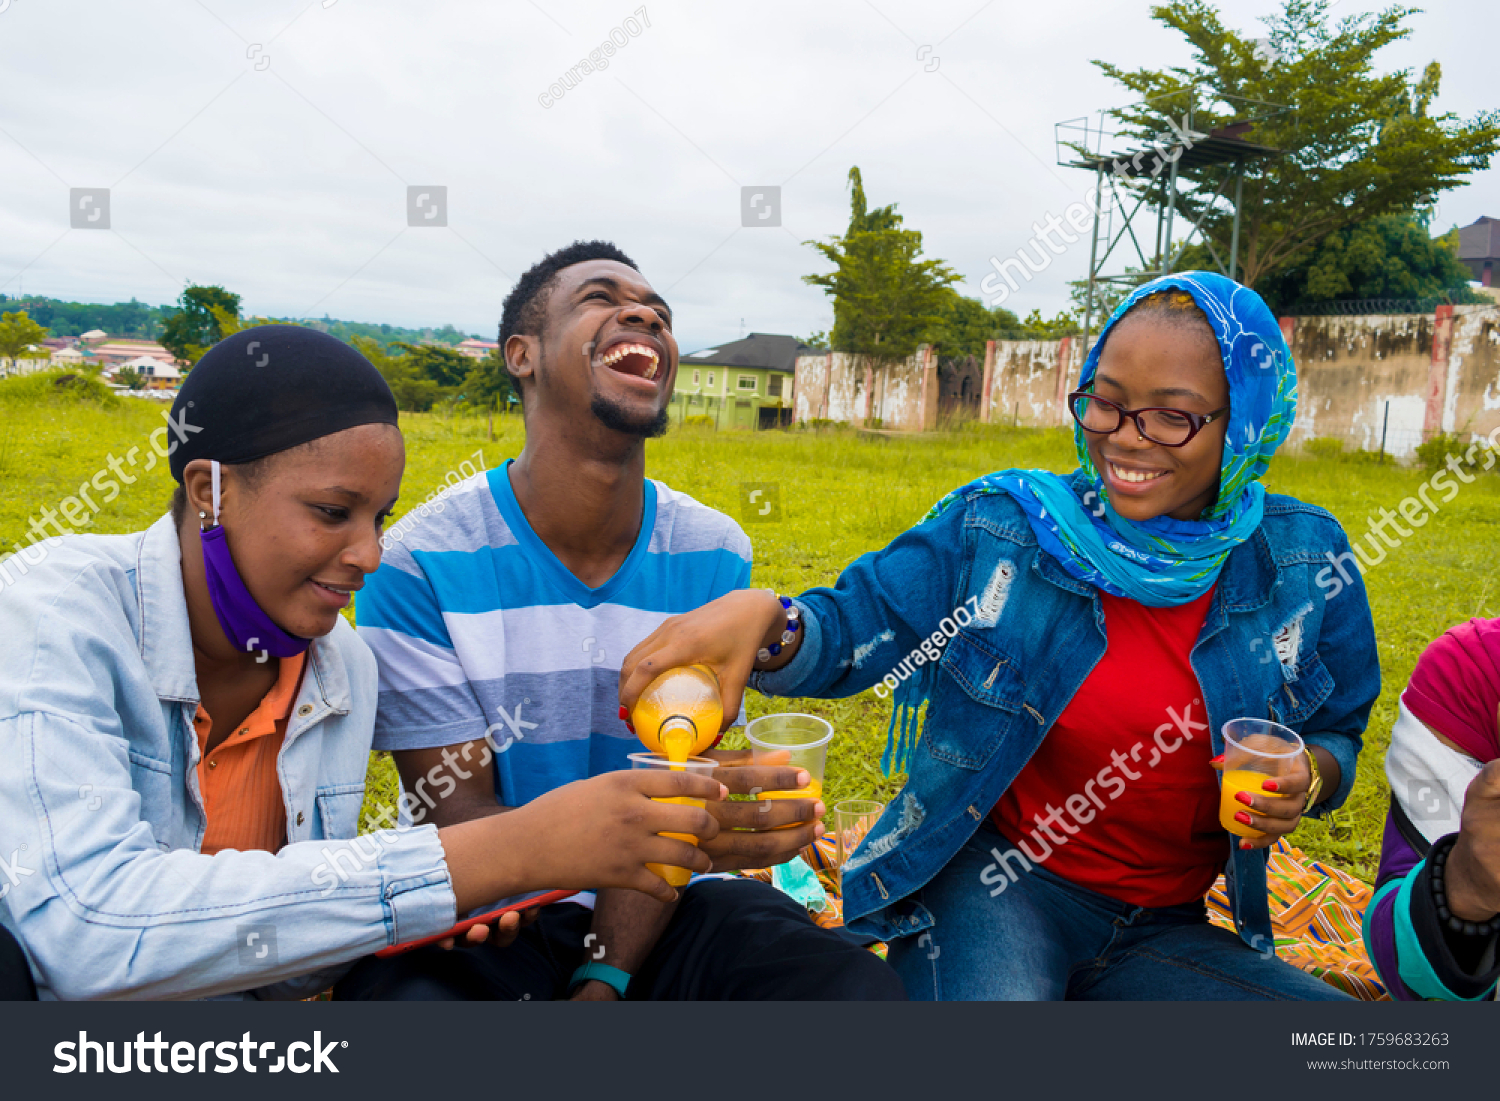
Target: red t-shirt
(1120, 798)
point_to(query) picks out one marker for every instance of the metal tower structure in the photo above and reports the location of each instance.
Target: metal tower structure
(1195, 147)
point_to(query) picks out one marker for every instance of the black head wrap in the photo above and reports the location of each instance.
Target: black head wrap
(270, 388)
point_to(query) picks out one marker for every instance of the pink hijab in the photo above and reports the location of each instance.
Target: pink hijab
(1455, 688)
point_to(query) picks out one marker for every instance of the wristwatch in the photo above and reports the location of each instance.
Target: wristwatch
(1317, 780)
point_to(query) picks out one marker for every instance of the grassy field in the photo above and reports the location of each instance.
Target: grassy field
(840, 494)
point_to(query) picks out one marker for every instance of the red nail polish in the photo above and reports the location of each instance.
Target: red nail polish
(1270, 785)
(1242, 818)
(1219, 760)
(623, 713)
(1244, 797)
(1244, 844)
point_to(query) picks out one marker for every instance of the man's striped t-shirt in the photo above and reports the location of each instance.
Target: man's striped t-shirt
(479, 628)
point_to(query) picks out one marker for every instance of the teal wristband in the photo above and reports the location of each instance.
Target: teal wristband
(600, 972)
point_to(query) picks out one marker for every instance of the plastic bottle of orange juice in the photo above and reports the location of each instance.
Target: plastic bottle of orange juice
(680, 712)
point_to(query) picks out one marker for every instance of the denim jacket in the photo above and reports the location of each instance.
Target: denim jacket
(101, 817)
(1288, 637)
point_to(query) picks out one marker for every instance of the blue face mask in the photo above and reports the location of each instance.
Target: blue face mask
(244, 621)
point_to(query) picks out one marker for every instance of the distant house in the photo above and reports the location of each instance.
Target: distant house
(94, 334)
(1479, 250)
(158, 374)
(119, 351)
(745, 383)
(477, 349)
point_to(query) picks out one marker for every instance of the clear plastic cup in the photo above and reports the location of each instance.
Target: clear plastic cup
(852, 819)
(1255, 750)
(675, 877)
(804, 738)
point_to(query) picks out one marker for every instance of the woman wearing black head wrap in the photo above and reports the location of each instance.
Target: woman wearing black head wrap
(185, 719)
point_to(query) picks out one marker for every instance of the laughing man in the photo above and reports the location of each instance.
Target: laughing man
(499, 625)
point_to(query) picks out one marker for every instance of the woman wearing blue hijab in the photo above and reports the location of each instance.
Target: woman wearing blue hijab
(1063, 651)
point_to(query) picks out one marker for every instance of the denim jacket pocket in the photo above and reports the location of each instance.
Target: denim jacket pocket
(1294, 703)
(338, 809)
(979, 695)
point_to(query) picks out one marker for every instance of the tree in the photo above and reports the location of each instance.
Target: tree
(195, 328)
(129, 378)
(413, 391)
(444, 365)
(885, 297)
(1392, 256)
(1357, 144)
(965, 324)
(20, 336)
(489, 384)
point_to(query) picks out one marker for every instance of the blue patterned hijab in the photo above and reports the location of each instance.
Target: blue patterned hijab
(1159, 562)
(1163, 562)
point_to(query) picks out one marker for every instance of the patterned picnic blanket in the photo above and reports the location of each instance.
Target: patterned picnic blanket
(1315, 914)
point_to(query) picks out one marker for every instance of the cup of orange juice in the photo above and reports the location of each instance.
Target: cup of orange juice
(675, 877)
(804, 738)
(1255, 750)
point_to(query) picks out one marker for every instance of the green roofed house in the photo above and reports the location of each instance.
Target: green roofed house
(746, 383)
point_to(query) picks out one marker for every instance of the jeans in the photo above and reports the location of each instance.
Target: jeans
(1045, 939)
(733, 939)
(16, 984)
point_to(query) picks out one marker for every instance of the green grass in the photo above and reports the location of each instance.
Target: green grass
(841, 493)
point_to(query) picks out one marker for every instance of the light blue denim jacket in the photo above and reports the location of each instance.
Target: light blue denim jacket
(101, 817)
(1288, 637)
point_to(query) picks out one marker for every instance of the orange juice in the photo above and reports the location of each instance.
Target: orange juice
(680, 712)
(1237, 780)
(675, 876)
(814, 790)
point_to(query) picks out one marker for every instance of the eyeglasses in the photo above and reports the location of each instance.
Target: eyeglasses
(1167, 427)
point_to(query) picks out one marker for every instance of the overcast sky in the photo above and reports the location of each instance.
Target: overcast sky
(268, 145)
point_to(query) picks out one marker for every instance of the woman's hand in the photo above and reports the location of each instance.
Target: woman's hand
(1275, 810)
(502, 934)
(603, 831)
(724, 634)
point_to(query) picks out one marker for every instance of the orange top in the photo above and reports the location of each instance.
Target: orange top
(241, 791)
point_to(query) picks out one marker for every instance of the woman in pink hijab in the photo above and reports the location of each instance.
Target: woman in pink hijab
(1433, 927)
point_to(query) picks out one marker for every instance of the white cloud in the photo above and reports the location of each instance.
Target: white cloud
(287, 183)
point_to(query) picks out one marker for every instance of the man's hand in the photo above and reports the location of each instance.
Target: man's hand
(765, 832)
(1473, 872)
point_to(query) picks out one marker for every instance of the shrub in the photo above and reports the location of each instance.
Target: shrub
(698, 420)
(56, 385)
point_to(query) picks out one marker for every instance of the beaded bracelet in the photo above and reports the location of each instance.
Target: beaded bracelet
(766, 653)
(1436, 868)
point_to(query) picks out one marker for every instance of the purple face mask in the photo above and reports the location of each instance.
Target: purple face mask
(243, 620)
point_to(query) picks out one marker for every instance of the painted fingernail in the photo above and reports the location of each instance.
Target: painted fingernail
(1245, 845)
(1270, 785)
(1244, 797)
(623, 713)
(1242, 818)
(629, 726)
(1219, 760)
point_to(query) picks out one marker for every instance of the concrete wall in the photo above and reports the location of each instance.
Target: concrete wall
(838, 386)
(1435, 373)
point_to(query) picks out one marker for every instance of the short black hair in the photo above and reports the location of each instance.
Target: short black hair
(1177, 309)
(526, 304)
